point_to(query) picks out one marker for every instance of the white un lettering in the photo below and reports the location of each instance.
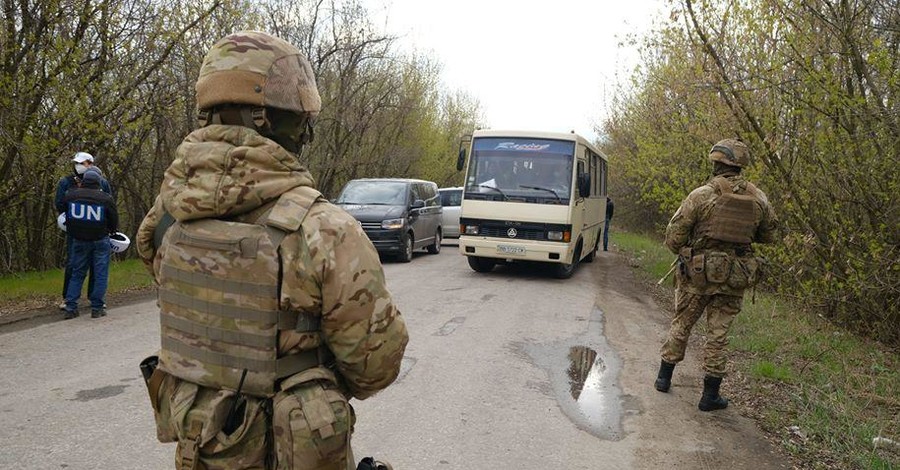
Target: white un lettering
(86, 212)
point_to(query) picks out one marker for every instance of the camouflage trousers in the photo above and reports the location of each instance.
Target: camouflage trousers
(306, 426)
(720, 312)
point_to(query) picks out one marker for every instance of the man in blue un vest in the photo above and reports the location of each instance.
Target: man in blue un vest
(82, 162)
(90, 217)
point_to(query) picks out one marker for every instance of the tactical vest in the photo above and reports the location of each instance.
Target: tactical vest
(734, 217)
(219, 299)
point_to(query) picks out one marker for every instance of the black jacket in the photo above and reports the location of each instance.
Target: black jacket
(90, 214)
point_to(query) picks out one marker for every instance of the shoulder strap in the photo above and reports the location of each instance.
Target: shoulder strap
(291, 208)
(160, 231)
(723, 185)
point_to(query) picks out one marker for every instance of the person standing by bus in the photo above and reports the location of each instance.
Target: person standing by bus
(610, 207)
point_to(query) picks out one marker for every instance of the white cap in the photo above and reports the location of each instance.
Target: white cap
(82, 157)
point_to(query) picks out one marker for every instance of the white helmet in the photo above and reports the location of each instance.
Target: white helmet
(119, 242)
(61, 221)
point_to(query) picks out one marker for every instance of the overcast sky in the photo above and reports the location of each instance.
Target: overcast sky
(542, 65)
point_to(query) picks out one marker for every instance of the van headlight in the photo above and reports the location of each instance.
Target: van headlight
(470, 229)
(392, 224)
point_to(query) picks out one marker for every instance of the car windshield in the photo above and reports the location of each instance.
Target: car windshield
(390, 193)
(521, 169)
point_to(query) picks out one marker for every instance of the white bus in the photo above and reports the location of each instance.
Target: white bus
(531, 196)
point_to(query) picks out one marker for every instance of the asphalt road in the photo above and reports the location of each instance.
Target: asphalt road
(507, 370)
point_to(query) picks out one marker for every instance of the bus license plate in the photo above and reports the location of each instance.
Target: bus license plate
(510, 250)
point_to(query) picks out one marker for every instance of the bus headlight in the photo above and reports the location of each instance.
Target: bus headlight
(392, 224)
(471, 229)
(559, 236)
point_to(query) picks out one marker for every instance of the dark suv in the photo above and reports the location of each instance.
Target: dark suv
(398, 215)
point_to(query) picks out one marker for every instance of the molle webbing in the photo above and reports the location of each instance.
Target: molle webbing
(220, 315)
(734, 217)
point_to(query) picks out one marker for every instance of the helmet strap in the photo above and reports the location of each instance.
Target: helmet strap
(252, 117)
(721, 169)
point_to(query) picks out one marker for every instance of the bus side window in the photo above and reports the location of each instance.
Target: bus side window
(603, 176)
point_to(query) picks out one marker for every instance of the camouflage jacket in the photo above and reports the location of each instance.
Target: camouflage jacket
(697, 207)
(330, 268)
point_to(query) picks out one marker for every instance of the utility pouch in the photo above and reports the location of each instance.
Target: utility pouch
(745, 272)
(718, 267)
(153, 378)
(312, 421)
(696, 268)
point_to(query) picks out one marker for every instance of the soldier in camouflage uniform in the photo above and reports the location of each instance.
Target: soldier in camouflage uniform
(273, 305)
(712, 233)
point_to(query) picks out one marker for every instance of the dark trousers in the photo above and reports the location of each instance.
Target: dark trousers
(94, 255)
(605, 234)
(68, 274)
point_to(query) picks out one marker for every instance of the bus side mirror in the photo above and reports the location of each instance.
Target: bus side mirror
(584, 184)
(463, 145)
(461, 159)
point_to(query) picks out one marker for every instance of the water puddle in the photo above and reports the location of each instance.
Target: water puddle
(583, 373)
(99, 393)
(450, 326)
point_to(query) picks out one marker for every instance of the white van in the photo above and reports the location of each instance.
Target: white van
(451, 199)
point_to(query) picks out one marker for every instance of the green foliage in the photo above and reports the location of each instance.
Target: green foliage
(116, 78)
(768, 370)
(814, 88)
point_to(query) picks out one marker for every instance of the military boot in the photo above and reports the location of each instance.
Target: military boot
(664, 378)
(711, 400)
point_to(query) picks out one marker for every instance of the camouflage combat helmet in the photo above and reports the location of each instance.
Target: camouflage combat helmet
(257, 69)
(730, 152)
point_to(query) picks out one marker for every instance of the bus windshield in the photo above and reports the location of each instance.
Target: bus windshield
(520, 169)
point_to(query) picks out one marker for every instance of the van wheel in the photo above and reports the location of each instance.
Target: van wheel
(565, 271)
(436, 248)
(481, 265)
(405, 256)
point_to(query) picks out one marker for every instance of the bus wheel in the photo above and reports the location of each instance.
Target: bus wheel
(593, 254)
(481, 265)
(565, 271)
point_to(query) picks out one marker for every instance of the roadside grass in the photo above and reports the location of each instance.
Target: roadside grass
(823, 393)
(37, 286)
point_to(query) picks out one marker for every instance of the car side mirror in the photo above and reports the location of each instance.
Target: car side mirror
(417, 204)
(584, 184)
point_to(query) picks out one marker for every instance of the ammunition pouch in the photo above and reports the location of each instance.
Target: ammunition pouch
(692, 267)
(717, 265)
(312, 420)
(746, 272)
